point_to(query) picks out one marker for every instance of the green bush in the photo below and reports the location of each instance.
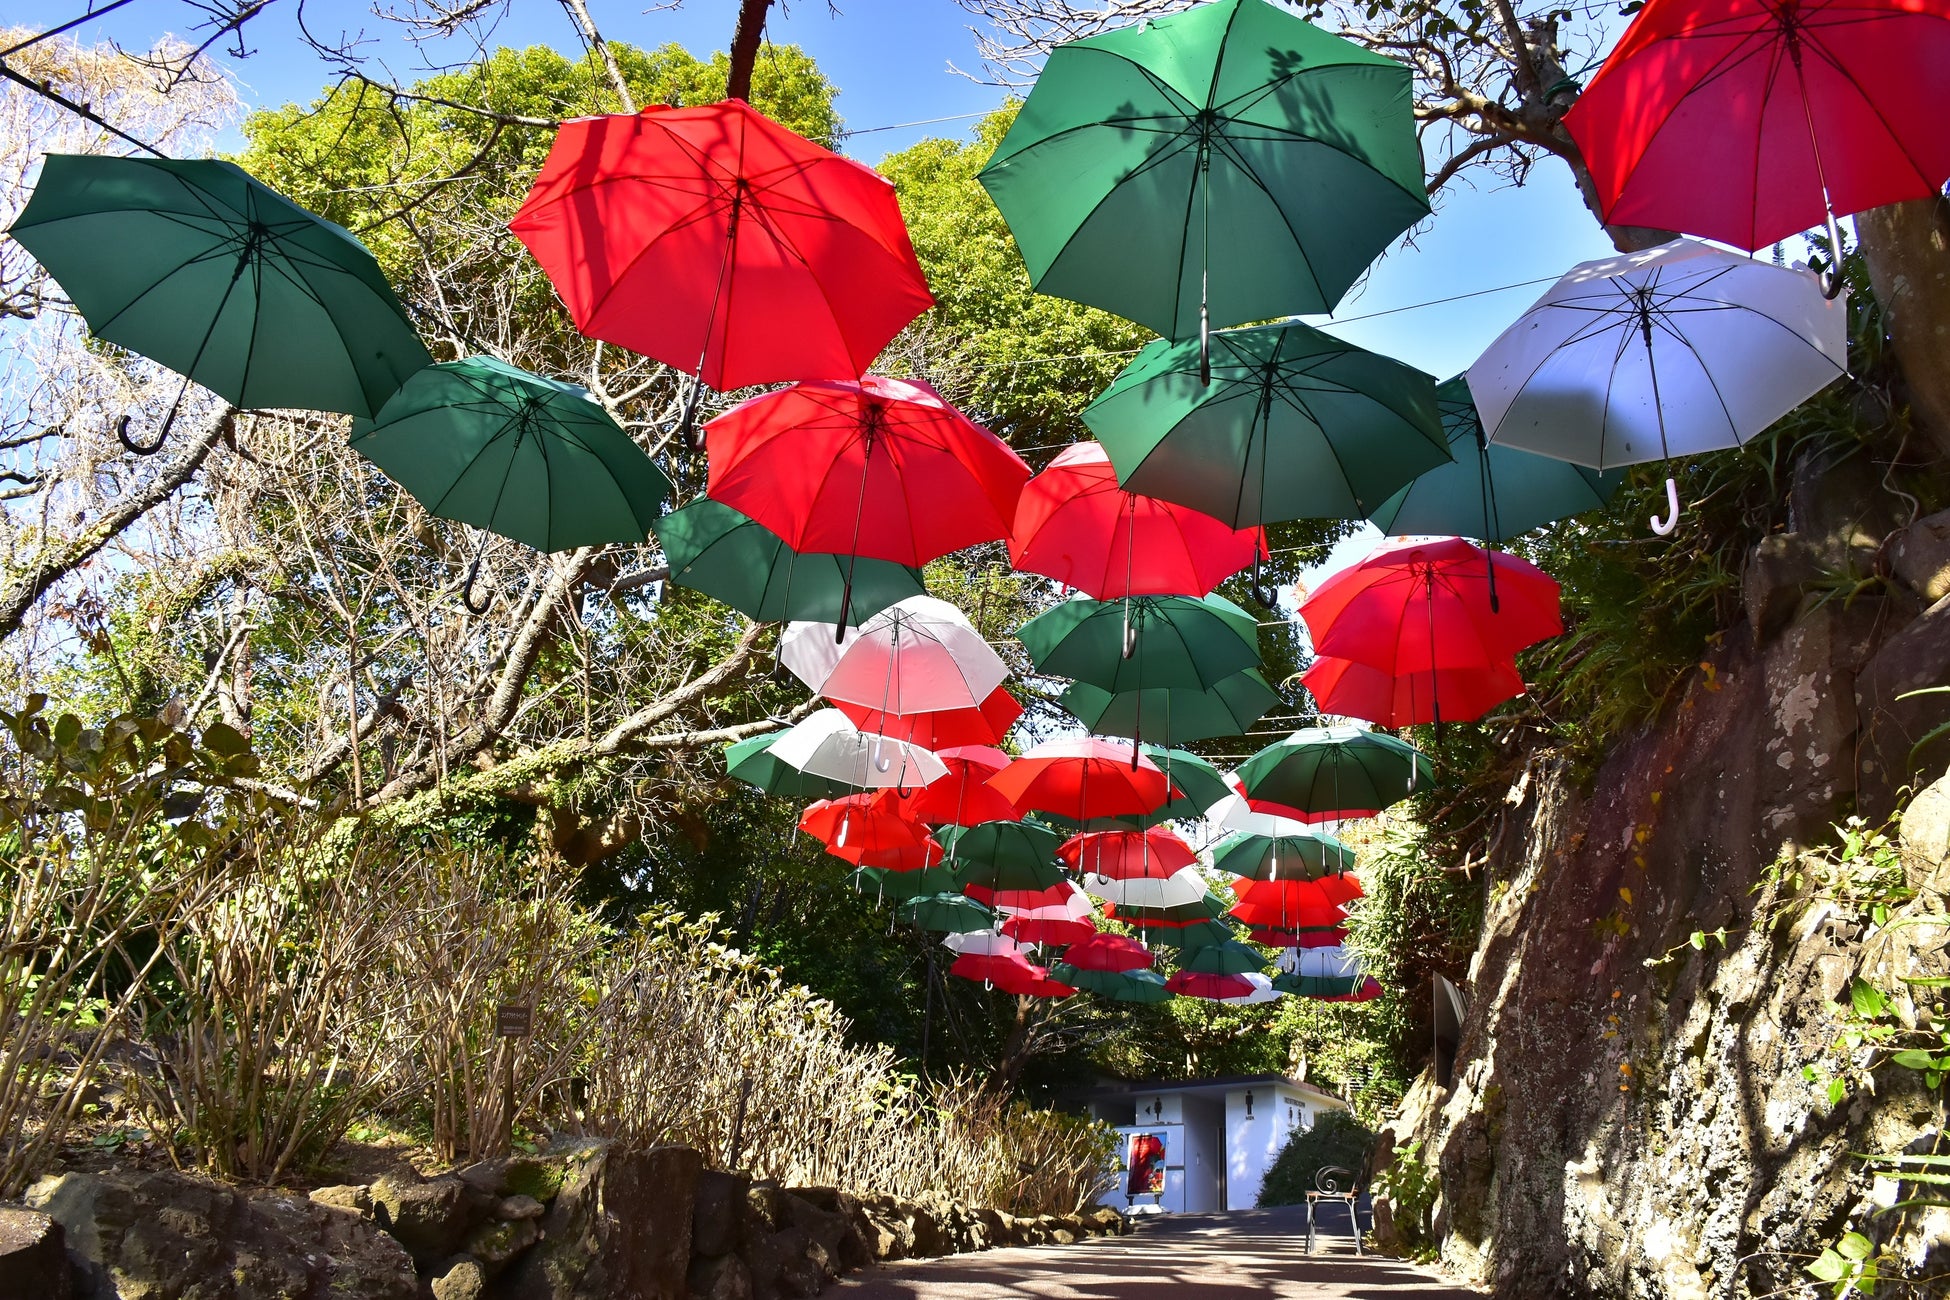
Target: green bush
(1336, 1139)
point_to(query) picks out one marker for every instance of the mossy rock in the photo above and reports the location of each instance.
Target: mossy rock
(528, 1176)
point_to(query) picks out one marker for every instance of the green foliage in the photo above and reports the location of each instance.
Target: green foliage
(1850, 1266)
(1337, 1140)
(1411, 1185)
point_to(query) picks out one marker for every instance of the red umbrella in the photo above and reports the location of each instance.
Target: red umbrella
(1010, 973)
(898, 858)
(718, 242)
(1322, 937)
(1076, 525)
(1289, 904)
(884, 468)
(1419, 607)
(1370, 989)
(1352, 690)
(963, 797)
(1736, 119)
(1126, 855)
(1199, 984)
(1021, 900)
(1082, 779)
(942, 729)
(862, 822)
(1047, 929)
(1108, 952)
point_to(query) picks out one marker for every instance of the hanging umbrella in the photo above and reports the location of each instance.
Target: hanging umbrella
(946, 911)
(985, 943)
(1174, 715)
(483, 443)
(1492, 493)
(1296, 148)
(1417, 608)
(877, 468)
(938, 729)
(1294, 904)
(1295, 424)
(1229, 957)
(1084, 778)
(1180, 889)
(1323, 973)
(963, 797)
(1003, 855)
(1120, 986)
(202, 269)
(899, 885)
(1339, 771)
(995, 968)
(1126, 855)
(1676, 350)
(917, 654)
(1074, 524)
(1326, 936)
(1183, 916)
(727, 555)
(1346, 689)
(1216, 988)
(906, 859)
(1747, 122)
(1237, 813)
(751, 761)
(1199, 932)
(1114, 953)
(1199, 781)
(826, 743)
(861, 822)
(1262, 991)
(1060, 895)
(718, 242)
(1283, 857)
(1056, 930)
(1143, 643)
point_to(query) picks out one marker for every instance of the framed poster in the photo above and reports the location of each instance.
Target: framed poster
(1144, 1163)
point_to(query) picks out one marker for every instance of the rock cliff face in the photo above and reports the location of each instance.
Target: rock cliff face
(1628, 1114)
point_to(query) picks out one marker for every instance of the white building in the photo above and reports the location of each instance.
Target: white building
(1206, 1144)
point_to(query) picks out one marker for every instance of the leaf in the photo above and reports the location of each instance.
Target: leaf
(1829, 1267)
(1698, 939)
(224, 740)
(1836, 1091)
(1625, 894)
(1866, 998)
(1914, 1059)
(1855, 1246)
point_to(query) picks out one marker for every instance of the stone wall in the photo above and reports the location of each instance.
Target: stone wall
(1628, 1114)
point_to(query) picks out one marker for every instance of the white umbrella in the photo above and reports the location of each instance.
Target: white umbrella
(1233, 813)
(1175, 890)
(826, 743)
(916, 656)
(1679, 349)
(1321, 963)
(1263, 990)
(986, 943)
(1074, 907)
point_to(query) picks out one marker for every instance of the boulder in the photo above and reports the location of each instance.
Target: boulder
(344, 1196)
(496, 1244)
(716, 1216)
(464, 1280)
(889, 1238)
(33, 1256)
(619, 1230)
(1919, 556)
(431, 1217)
(834, 1220)
(167, 1234)
(929, 1237)
(1926, 832)
(1892, 727)
(520, 1207)
(720, 1277)
(786, 1263)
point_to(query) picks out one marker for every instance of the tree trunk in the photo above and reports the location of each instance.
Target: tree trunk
(745, 38)
(1907, 247)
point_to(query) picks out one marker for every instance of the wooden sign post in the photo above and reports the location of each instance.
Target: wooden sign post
(512, 1020)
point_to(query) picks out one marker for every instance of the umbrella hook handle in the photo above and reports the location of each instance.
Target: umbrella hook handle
(467, 590)
(162, 436)
(1664, 527)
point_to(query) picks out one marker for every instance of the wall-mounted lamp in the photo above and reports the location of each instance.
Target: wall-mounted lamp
(1249, 1104)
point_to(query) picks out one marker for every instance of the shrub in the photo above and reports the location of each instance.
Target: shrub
(1337, 1139)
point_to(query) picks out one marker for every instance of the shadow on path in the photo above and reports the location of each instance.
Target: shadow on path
(1248, 1253)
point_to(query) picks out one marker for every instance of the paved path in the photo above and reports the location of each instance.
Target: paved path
(1251, 1253)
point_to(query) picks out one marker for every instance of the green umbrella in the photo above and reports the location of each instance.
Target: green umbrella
(200, 268)
(1187, 937)
(1173, 715)
(1123, 986)
(1281, 857)
(1296, 149)
(1144, 642)
(484, 443)
(1344, 770)
(1295, 424)
(1321, 986)
(883, 882)
(750, 760)
(1228, 957)
(1489, 492)
(1003, 855)
(954, 913)
(1209, 908)
(729, 555)
(1201, 782)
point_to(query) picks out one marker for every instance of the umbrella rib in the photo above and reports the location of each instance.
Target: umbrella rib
(1889, 127)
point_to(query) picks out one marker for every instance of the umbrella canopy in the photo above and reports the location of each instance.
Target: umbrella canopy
(1228, 957)
(861, 822)
(202, 269)
(898, 885)
(1125, 855)
(1747, 122)
(730, 556)
(1081, 779)
(1143, 643)
(1295, 148)
(952, 912)
(1200, 782)
(1180, 889)
(1676, 350)
(718, 242)
(1198, 933)
(1329, 973)
(1295, 424)
(826, 743)
(1183, 916)
(481, 442)
(1120, 986)
(1114, 953)
(995, 967)
(1057, 930)
(1174, 715)
(1217, 988)
(1074, 524)
(1493, 493)
(1060, 898)
(751, 761)
(1283, 857)
(908, 858)
(1263, 990)
(1346, 689)
(881, 468)
(917, 654)
(1294, 904)
(938, 729)
(1004, 855)
(1416, 607)
(963, 797)
(1236, 812)
(1341, 771)
(1327, 936)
